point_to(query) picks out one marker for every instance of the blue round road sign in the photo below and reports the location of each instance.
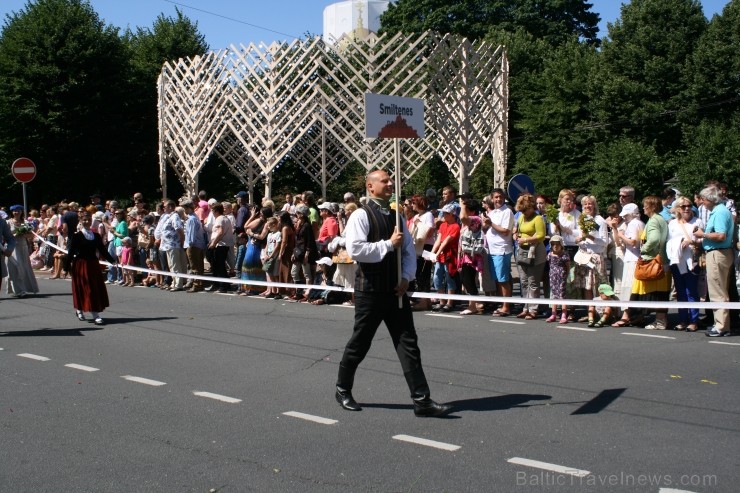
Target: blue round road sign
(519, 184)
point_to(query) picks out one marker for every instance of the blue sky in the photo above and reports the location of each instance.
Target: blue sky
(224, 22)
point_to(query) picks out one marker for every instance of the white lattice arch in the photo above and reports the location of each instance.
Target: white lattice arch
(257, 106)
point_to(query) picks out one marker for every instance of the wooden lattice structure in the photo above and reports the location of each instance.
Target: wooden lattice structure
(257, 107)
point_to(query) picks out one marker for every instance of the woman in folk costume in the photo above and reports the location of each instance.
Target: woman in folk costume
(89, 293)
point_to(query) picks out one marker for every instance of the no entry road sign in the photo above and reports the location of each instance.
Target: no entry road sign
(23, 169)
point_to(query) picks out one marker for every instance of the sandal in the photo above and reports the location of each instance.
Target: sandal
(551, 318)
(591, 322)
(600, 323)
(563, 320)
(692, 328)
(621, 323)
(500, 313)
(680, 328)
(530, 316)
(522, 315)
(317, 302)
(467, 311)
(446, 308)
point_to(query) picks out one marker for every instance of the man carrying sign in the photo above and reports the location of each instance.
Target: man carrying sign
(374, 240)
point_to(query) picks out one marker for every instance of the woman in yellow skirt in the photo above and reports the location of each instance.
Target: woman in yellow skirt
(654, 239)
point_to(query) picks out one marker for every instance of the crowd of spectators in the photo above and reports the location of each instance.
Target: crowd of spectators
(566, 250)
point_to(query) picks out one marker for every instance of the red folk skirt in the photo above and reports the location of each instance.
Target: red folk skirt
(89, 293)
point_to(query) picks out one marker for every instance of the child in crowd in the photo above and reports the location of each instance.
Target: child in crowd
(37, 259)
(322, 296)
(151, 280)
(559, 267)
(271, 262)
(127, 258)
(606, 293)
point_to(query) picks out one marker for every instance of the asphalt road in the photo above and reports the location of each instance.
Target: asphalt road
(537, 408)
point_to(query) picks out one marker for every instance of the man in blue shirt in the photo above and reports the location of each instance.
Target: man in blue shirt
(717, 242)
(195, 244)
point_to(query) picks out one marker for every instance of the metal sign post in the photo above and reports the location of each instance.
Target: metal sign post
(23, 170)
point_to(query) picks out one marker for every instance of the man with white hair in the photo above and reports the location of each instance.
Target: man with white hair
(717, 243)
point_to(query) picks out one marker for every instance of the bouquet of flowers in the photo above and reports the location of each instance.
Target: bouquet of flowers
(23, 230)
(551, 213)
(587, 224)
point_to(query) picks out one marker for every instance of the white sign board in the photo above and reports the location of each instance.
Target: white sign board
(393, 117)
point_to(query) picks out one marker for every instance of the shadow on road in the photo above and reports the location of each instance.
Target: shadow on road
(78, 332)
(124, 320)
(50, 332)
(498, 403)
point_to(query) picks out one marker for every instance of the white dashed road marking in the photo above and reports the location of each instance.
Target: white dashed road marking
(310, 417)
(647, 335)
(81, 367)
(428, 443)
(442, 315)
(145, 381)
(725, 343)
(571, 471)
(512, 322)
(34, 356)
(584, 329)
(217, 397)
(673, 490)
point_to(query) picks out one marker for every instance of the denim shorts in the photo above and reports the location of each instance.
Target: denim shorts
(500, 267)
(442, 278)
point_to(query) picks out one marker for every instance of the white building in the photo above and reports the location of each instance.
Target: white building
(352, 16)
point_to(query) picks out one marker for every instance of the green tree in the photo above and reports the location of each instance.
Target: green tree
(555, 147)
(62, 93)
(170, 38)
(625, 162)
(712, 74)
(435, 174)
(639, 82)
(552, 20)
(712, 126)
(712, 152)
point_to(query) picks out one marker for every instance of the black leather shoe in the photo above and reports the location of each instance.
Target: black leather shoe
(427, 408)
(345, 399)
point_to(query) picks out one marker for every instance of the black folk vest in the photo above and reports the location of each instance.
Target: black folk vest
(378, 277)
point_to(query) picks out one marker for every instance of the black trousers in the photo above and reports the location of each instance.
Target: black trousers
(370, 310)
(219, 265)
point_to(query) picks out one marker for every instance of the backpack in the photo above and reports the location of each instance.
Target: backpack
(471, 243)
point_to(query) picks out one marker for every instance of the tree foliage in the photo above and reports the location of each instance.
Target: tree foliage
(551, 20)
(170, 38)
(642, 63)
(62, 93)
(556, 144)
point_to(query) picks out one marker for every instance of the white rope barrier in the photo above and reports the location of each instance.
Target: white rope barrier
(706, 305)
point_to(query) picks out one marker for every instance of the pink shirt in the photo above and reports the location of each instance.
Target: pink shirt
(202, 210)
(126, 255)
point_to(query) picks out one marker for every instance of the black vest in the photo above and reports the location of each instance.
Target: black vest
(378, 277)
